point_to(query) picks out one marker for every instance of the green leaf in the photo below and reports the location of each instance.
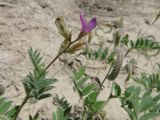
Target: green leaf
(117, 89)
(146, 103)
(60, 113)
(98, 105)
(96, 54)
(91, 98)
(156, 98)
(63, 103)
(11, 113)
(90, 53)
(99, 51)
(5, 107)
(132, 44)
(82, 81)
(148, 81)
(44, 96)
(36, 59)
(147, 92)
(87, 89)
(2, 100)
(54, 116)
(106, 50)
(36, 81)
(80, 73)
(149, 116)
(103, 56)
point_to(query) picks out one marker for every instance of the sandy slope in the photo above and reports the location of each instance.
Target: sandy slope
(25, 23)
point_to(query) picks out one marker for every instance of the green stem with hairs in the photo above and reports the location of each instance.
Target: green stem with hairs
(21, 106)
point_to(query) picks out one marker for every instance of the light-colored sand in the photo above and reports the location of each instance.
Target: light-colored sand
(25, 23)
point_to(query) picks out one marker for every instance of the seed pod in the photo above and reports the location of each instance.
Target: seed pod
(76, 47)
(117, 64)
(62, 28)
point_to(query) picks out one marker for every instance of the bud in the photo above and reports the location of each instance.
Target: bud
(62, 28)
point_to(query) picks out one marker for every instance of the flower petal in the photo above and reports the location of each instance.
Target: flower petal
(92, 24)
(83, 22)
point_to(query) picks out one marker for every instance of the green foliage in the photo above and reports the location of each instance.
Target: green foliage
(88, 92)
(59, 114)
(63, 103)
(116, 89)
(100, 54)
(36, 83)
(139, 107)
(149, 81)
(7, 110)
(142, 45)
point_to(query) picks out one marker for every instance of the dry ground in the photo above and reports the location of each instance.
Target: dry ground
(25, 23)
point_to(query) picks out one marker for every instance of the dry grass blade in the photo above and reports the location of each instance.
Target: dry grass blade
(157, 17)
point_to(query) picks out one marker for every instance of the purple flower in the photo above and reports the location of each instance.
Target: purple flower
(87, 26)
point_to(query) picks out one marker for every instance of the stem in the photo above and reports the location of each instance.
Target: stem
(59, 54)
(21, 106)
(127, 52)
(104, 80)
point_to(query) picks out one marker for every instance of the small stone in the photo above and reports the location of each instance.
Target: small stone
(98, 6)
(110, 9)
(147, 22)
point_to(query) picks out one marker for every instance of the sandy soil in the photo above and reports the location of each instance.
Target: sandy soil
(25, 23)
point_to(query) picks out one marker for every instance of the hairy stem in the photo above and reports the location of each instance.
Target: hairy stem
(21, 106)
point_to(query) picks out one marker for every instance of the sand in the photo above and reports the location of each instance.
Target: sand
(30, 23)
